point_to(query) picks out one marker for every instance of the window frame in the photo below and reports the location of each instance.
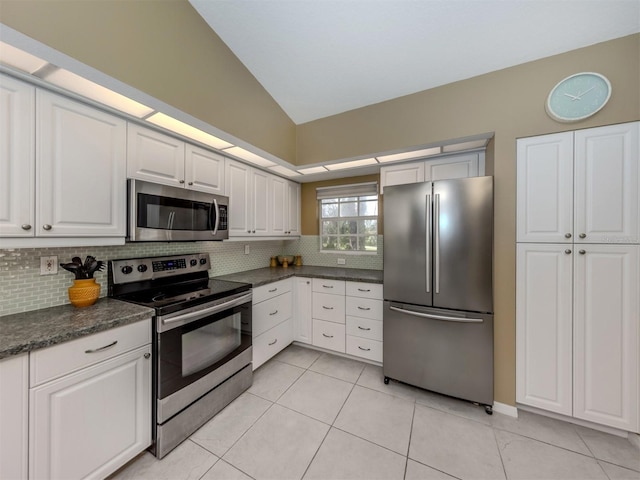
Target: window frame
(339, 200)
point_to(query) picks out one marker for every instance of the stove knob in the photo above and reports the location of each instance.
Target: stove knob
(142, 268)
(127, 269)
(193, 262)
(203, 261)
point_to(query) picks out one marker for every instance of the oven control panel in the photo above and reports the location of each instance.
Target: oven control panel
(151, 268)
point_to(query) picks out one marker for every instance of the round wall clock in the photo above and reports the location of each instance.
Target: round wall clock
(578, 97)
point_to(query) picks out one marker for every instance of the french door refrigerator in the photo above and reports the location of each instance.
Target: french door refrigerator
(438, 296)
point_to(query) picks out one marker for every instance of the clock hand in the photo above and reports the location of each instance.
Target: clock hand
(572, 97)
(580, 95)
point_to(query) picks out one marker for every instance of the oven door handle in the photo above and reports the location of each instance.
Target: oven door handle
(181, 319)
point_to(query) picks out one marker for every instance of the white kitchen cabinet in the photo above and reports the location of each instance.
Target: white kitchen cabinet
(260, 207)
(292, 225)
(302, 312)
(14, 416)
(364, 320)
(203, 170)
(401, 174)
(279, 205)
(95, 414)
(80, 166)
(329, 335)
(17, 158)
(606, 335)
(272, 319)
(580, 186)
(249, 202)
(272, 342)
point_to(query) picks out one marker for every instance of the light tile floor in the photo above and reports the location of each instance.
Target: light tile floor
(313, 415)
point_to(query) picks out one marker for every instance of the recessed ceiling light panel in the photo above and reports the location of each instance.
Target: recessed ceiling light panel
(352, 164)
(16, 58)
(249, 156)
(396, 157)
(176, 126)
(284, 171)
(311, 170)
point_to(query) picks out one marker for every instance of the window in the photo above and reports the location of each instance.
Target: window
(349, 218)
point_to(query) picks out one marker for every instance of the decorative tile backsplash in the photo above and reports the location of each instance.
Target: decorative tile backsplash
(22, 288)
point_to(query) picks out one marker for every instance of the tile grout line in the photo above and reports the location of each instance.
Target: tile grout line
(495, 439)
(406, 460)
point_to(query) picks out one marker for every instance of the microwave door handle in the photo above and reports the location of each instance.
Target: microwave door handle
(217, 211)
(170, 220)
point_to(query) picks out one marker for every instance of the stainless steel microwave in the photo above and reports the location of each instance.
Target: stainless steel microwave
(160, 213)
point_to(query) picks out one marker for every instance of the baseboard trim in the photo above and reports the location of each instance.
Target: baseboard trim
(635, 439)
(505, 409)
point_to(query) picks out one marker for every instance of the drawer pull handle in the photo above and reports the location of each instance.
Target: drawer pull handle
(327, 308)
(327, 286)
(274, 290)
(273, 313)
(328, 336)
(365, 349)
(364, 328)
(94, 350)
(244, 323)
(364, 308)
(364, 289)
(147, 356)
(274, 342)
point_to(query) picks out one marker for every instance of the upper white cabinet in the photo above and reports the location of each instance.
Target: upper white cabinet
(160, 158)
(285, 207)
(17, 157)
(292, 218)
(579, 186)
(441, 168)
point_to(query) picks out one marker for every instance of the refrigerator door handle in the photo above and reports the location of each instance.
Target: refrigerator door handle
(428, 243)
(436, 317)
(436, 241)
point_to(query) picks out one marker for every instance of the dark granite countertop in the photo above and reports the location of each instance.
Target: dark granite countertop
(263, 276)
(23, 332)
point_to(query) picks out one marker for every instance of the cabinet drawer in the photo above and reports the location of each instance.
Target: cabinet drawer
(328, 307)
(365, 348)
(364, 327)
(53, 362)
(364, 307)
(271, 312)
(264, 292)
(364, 290)
(328, 335)
(335, 287)
(271, 342)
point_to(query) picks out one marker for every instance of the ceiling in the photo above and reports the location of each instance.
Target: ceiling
(322, 57)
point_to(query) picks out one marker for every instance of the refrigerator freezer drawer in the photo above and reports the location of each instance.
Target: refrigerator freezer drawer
(444, 351)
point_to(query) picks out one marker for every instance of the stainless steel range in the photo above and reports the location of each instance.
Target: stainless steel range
(201, 339)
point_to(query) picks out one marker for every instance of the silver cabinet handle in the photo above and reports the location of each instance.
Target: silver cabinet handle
(46, 226)
(328, 336)
(428, 243)
(364, 328)
(365, 349)
(437, 317)
(583, 235)
(147, 356)
(582, 252)
(567, 235)
(327, 308)
(363, 308)
(253, 231)
(273, 313)
(567, 251)
(248, 231)
(364, 289)
(436, 238)
(94, 350)
(190, 183)
(327, 286)
(181, 181)
(274, 290)
(26, 226)
(274, 342)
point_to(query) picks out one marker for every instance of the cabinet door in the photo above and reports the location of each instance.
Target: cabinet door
(401, 174)
(545, 188)
(237, 188)
(543, 327)
(14, 416)
(459, 166)
(302, 322)
(607, 183)
(17, 158)
(204, 170)
(154, 157)
(279, 206)
(606, 335)
(260, 202)
(293, 212)
(91, 422)
(80, 163)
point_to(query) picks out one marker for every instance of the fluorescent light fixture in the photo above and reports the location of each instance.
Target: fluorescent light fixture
(249, 156)
(186, 130)
(457, 147)
(16, 58)
(310, 170)
(396, 157)
(284, 171)
(86, 88)
(352, 164)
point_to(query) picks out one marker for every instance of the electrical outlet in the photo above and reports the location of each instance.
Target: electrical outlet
(246, 249)
(49, 265)
(342, 261)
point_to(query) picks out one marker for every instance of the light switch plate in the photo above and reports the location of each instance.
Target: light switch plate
(246, 250)
(49, 265)
(342, 261)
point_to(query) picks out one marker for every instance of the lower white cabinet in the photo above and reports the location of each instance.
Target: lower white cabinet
(272, 342)
(302, 313)
(14, 416)
(329, 335)
(95, 417)
(364, 320)
(271, 316)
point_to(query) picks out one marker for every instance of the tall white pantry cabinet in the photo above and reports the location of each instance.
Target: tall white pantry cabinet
(578, 274)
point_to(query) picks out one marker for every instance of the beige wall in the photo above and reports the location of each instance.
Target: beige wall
(163, 48)
(508, 102)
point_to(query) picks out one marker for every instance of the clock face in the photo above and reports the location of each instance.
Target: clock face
(578, 97)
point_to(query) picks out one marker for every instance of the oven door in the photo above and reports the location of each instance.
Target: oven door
(192, 345)
(164, 213)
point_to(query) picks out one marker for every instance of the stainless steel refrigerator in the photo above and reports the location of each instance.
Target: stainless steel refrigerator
(438, 295)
